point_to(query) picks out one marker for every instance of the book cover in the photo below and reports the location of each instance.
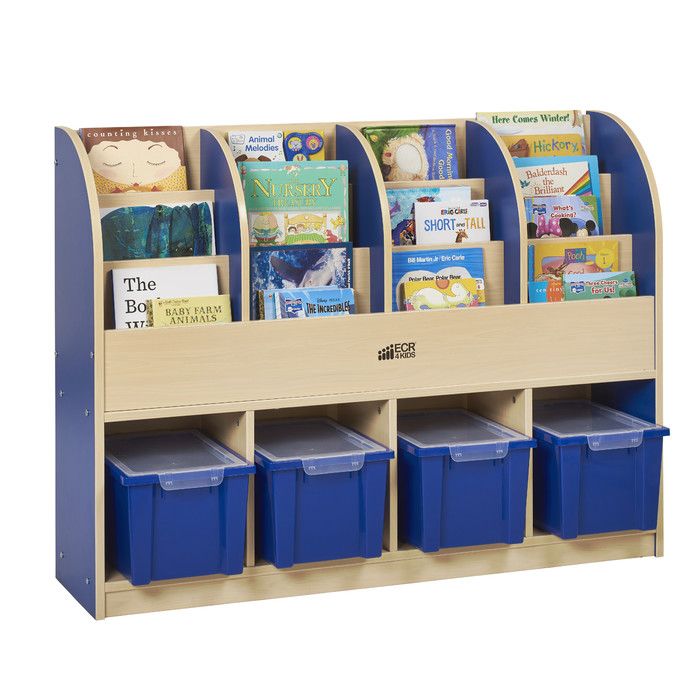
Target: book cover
(296, 203)
(412, 264)
(158, 231)
(557, 176)
(162, 313)
(256, 145)
(562, 216)
(304, 145)
(557, 258)
(294, 266)
(417, 152)
(600, 285)
(452, 222)
(134, 286)
(443, 293)
(136, 158)
(308, 302)
(545, 290)
(402, 202)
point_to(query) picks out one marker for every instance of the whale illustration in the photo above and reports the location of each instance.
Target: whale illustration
(320, 274)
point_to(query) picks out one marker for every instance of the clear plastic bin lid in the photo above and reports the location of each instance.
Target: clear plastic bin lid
(468, 437)
(603, 428)
(321, 445)
(181, 460)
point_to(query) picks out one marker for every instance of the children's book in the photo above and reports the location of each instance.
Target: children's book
(304, 145)
(136, 158)
(452, 222)
(557, 176)
(545, 290)
(170, 230)
(528, 134)
(291, 267)
(307, 302)
(256, 145)
(296, 203)
(417, 152)
(402, 201)
(412, 264)
(558, 258)
(562, 216)
(443, 293)
(600, 285)
(163, 313)
(135, 286)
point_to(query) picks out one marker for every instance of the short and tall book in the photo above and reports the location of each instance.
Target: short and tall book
(452, 222)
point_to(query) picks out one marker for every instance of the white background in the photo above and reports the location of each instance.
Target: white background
(622, 628)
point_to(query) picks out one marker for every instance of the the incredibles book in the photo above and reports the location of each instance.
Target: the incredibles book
(307, 302)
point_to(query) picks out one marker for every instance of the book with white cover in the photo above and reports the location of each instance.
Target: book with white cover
(134, 286)
(452, 222)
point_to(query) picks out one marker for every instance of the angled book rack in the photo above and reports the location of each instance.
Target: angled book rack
(225, 378)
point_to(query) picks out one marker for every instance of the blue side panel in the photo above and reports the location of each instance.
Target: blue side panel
(486, 160)
(216, 175)
(367, 225)
(632, 208)
(638, 398)
(75, 381)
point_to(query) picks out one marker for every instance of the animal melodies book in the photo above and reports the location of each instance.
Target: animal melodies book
(562, 216)
(256, 145)
(452, 222)
(296, 203)
(408, 153)
(402, 201)
(451, 264)
(136, 158)
(295, 266)
(442, 292)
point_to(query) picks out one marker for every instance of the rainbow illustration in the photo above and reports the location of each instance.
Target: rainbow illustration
(582, 186)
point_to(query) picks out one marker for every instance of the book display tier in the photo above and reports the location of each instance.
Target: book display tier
(227, 379)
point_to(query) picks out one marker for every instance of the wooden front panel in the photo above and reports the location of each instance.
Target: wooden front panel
(490, 347)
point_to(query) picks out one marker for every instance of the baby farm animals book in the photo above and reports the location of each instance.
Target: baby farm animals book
(163, 313)
(402, 201)
(408, 153)
(452, 222)
(136, 158)
(416, 265)
(133, 287)
(563, 216)
(442, 293)
(168, 230)
(296, 203)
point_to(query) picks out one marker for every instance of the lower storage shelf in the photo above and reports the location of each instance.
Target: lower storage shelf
(407, 565)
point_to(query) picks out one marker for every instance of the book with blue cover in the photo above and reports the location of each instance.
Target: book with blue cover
(412, 265)
(307, 302)
(295, 266)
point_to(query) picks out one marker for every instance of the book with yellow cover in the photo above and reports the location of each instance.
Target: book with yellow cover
(574, 256)
(443, 293)
(188, 311)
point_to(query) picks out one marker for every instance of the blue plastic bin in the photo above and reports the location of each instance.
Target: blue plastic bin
(319, 492)
(176, 506)
(462, 480)
(595, 469)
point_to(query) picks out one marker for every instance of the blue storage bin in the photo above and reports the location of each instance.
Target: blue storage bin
(595, 469)
(462, 480)
(319, 492)
(176, 505)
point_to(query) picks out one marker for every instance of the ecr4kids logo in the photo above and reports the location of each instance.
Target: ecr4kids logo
(397, 351)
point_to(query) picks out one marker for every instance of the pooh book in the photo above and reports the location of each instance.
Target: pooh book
(303, 202)
(407, 153)
(557, 258)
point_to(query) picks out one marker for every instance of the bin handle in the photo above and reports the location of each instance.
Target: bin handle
(178, 481)
(615, 441)
(333, 464)
(477, 452)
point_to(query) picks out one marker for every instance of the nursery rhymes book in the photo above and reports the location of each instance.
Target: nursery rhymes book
(443, 293)
(408, 153)
(557, 176)
(291, 267)
(402, 201)
(562, 216)
(157, 231)
(136, 158)
(600, 285)
(134, 286)
(412, 264)
(188, 311)
(296, 203)
(256, 145)
(452, 222)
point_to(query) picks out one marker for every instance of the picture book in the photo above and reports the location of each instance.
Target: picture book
(307, 302)
(545, 290)
(134, 286)
(136, 158)
(452, 222)
(162, 313)
(443, 293)
(411, 264)
(402, 201)
(561, 175)
(600, 285)
(296, 203)
(256, 145)
(304, 145)
(291, 267)
(557, 258)
(408, 153)
(170, 230)
(529, 134)
(563, 216)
